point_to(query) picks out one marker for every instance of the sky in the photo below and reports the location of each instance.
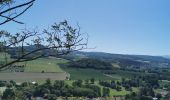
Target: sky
(115, 26)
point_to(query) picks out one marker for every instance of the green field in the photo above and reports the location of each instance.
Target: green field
(113, 92)
(44, 64)
(52, 65)
(123, 92)
(79, 73)
(83, 74)
(4, 57)
(31, 76)
(33, 69)
(38, 65)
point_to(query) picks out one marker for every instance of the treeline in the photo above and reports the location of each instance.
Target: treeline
(131, 63)
(84, 88)
(160, 73)
(91, 63)
(139, 81)
(51, 91)
(146, 85)
(111, 84)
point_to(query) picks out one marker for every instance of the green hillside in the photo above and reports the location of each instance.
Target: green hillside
(44, 64)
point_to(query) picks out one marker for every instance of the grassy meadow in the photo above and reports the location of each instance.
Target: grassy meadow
(76, 74)
(52, 65)
(44, 64)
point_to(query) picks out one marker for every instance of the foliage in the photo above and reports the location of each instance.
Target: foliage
(106, 91)
(50, 90)
(91, 63)
(9, 93)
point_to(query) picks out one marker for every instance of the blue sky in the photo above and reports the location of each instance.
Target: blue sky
(114, 26)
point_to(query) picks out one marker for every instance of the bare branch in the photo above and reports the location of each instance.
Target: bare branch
(18, 6)
(60, 40)
(9, 19)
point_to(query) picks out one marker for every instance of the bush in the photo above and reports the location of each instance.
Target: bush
(8, 93)
(2, 83)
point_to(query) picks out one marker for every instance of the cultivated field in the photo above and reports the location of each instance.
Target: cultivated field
(33, 70)
(29, 77)
(83, 74)
(44, 64)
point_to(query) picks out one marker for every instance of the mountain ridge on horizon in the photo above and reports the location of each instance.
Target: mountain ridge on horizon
(125, 59)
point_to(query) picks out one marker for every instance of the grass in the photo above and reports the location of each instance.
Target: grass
(79, 73)
(123, 92)
(34, 68)
(69, 82)
(38, 65)
(44, 64)
(52, 65)
(29, 77)
(126, 74)
(114, 92)
(118, 93)
(84, 74)
(4, 57)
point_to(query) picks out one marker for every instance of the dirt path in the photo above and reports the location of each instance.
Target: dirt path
(114, 77)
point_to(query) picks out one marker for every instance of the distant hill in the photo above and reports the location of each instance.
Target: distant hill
(167, 56)
(137, 61)
(123, 60)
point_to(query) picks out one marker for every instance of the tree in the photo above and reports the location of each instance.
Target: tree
(58, 84)
(106, 92)
(51, 97)
(60, 39)
(77, 83)
(92, 80)
(158, 95)
(86, 81)
(8, 94)
(48, 81)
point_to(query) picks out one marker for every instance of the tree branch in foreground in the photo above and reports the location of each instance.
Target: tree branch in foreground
(61, 39)
(9, 11)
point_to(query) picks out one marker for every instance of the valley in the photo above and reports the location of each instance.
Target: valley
(121, 81)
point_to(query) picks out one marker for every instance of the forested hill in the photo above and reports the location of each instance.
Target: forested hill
(120, 59)
(123, 60)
